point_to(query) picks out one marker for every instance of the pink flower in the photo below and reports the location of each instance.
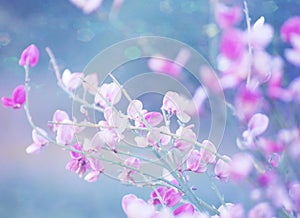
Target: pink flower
(261, 210)
(126, 174)
(294, 89)
(231, 211)
(135, 109)
(232, 44)
(71, 80)
(222, 169)
(18, 98)
(169, 196)
(65, 133)
(153, 118)
(39, 141)
(257, 125)
(275, 89)
(164, 213)
(162, 65)
(58, 117)
(105, 137)
(260, 34)
(136, 208)
(240, 166)
(79, 164)
(90, 83)
(136, 112)
(208, 152)
(187, 134)
(267, 178)
(247, 102)
(178, 105)
(199, 99)
(290, 27)
(96, 170)
(108, 94)
(294, 192)
(194, 162)
(185, 209)
(156, 138)
(261, 66)
(269, 146)
(293, 55)
(227, 16)
(116, 123)
(30, 56)
(209, 79)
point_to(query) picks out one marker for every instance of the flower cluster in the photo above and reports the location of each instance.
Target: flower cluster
(137, 140)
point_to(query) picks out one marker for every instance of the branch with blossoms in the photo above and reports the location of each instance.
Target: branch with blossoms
(142, 149)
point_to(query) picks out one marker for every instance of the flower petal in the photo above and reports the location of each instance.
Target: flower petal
(30, 55)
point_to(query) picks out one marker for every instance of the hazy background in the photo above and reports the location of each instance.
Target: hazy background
(38, 185)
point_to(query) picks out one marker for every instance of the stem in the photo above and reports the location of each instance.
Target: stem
(248, 20)
(196, 143)
(60, 84)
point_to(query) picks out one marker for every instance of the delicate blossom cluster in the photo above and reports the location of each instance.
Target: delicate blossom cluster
(253, 79)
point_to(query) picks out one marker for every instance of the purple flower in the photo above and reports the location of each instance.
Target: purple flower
(18, 98)
(185, 209)
(79, 164)
(170, 196)
(30, 56)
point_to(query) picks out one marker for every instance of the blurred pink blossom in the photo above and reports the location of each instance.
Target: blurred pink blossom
(230, 211)
(247, 102)
(227, 16)
(261, 210)
(137, 208)
(232, 44)
(260, 34)
(290, 27)
(87, 6)
(240, 166)
(172, 68)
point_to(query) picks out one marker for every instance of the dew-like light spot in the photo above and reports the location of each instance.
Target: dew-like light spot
(85, 35)
(4, 39)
